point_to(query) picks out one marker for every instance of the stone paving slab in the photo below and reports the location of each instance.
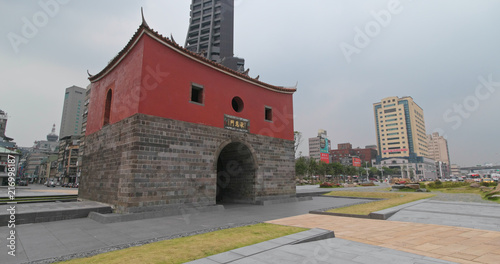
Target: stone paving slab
(51, 240)
(34, 241)
(449, 243)
(331, 250)
(484, 216)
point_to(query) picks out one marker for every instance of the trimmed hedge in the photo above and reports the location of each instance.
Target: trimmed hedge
(439, 185)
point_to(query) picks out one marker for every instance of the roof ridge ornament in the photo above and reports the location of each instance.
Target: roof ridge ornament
(90, 75)
(143, 20)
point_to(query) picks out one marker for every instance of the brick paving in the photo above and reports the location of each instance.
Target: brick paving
(456, 244)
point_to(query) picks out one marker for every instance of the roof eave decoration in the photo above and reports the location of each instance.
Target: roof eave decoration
(143, 20)
(145, 29)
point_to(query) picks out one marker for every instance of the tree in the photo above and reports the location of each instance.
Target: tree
(297, 137)
(361, 171)
(301, 166)
(312, 167)
(374, 171)
(322, 167)
(351, 170)
(336, 169)
(396, 172)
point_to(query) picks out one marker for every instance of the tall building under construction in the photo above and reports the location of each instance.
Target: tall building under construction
(211, 30)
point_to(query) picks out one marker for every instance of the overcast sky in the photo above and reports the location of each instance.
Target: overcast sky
(345, 56)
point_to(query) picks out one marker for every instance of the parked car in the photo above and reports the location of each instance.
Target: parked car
(51, 184)
(23, 183)
(64, 185)
(487, 180)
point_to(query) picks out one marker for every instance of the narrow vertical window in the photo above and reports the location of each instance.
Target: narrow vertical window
(269, 114)
(196, 93)
(107, 108)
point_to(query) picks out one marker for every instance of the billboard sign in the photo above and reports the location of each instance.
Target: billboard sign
(356, 162)
(325, 157)
(323, 150)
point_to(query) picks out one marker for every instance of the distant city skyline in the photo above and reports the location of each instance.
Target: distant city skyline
(344, 55)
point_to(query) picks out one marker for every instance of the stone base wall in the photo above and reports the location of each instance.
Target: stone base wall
(146, 163)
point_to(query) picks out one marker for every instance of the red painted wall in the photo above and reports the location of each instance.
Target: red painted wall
(156, 80)
(124, 80)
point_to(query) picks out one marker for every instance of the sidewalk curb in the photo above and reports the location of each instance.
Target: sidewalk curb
(378, 215)
(311, 235)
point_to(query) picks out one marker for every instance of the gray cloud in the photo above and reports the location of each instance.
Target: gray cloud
(433, 51)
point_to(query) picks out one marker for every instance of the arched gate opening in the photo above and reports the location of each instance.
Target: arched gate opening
(235, 174)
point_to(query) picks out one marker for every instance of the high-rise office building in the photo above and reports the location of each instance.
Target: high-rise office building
(3, 123)
(5, 141)
(71, 121)
(401, 137)
(211, 30)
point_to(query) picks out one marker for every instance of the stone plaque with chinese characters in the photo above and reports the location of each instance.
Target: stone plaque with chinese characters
(236, 123)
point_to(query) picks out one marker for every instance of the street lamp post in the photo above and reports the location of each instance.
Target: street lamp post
(366, 169)
(382, 171)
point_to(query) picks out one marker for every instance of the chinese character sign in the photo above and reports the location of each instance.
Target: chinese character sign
(236, 123)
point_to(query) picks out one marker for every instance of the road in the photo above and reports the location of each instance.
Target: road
(38, 190)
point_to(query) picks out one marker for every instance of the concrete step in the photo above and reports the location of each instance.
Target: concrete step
(47, 212)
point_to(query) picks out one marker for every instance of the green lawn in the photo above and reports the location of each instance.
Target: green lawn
(391, 199)
(190, 248)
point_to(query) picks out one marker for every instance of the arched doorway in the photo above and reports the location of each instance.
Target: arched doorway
(235, 174)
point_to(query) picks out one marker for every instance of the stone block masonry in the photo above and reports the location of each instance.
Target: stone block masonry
(145, 163)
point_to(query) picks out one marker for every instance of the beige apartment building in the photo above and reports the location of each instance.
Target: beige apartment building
(400, 128)
(438, 151)
(401, 137)
(438, 148)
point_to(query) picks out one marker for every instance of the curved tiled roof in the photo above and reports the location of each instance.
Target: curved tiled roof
(145, 29)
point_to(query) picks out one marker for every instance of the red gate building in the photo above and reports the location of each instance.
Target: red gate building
(167, 127)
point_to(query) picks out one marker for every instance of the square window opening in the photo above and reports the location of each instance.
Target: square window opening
(196, 94)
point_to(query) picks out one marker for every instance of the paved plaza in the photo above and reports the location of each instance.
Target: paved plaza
(427, 232)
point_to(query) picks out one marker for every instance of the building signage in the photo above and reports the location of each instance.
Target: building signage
(394, 150)
(323, 149)
(325, 157)
(356, 162)
(236, 123)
